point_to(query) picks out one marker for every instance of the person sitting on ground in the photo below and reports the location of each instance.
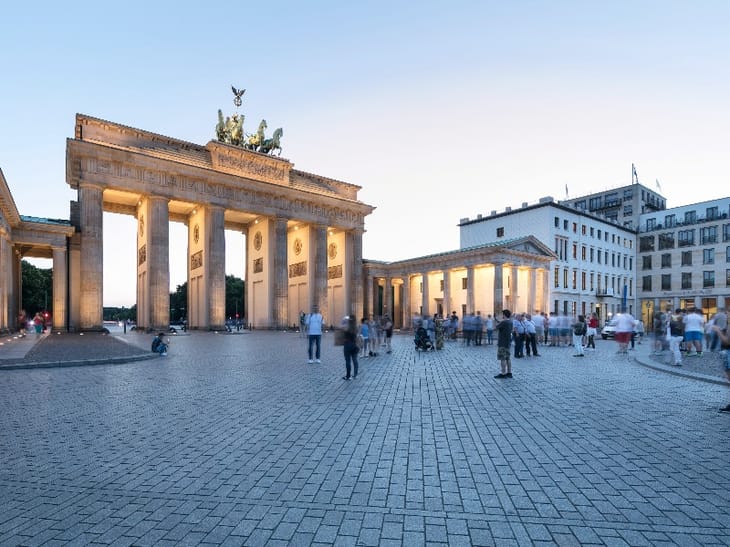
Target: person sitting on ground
(159, 345)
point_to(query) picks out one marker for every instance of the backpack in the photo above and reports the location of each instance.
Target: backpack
(579, 329)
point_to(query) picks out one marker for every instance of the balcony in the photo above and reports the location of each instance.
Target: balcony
(604, 292)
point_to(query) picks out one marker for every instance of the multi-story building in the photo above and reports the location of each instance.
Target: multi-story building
(623, 205)
(683, 258)
(595, 266)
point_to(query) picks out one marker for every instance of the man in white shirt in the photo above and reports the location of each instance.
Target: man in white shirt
(694, 330)
(314, 332)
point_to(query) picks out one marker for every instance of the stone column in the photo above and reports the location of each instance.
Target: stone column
(60, 297)
(406, 307)
(532, 297)
(158, 259)
(320, 270)
(425, 299)
(367, 307)
(354, 239)
(388, 297)
(470, 306)
(281, 273)
(215, 246)
(447, 292)
(91, 218)
(498, 289)
(514, 292)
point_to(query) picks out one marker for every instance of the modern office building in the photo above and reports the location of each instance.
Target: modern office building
(683, 258)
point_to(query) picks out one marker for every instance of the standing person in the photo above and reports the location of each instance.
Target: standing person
(350, 348)
(720, 320)
(22, 323)
(38, 323)
(389, 334)
(504, 330)
(302, 324)
(676, 334)
(624, 330)
(539, 321)
(724, 344)
(489, 325)
(579, 330)
(439, 331)
(478, 329)
(530, 336)
(365, 337)
(592, 331)
(519, 334)
(694, 327)
(314, 332)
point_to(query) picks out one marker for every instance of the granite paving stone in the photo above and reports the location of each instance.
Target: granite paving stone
(235, 440)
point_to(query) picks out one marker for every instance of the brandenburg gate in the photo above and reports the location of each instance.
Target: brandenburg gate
(303, 232)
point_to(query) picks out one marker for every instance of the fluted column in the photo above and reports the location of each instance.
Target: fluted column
(532, 296)
(470, 306)
(406, 307)
(498, 289)
(367, 307)
(424, 294)
(388, 297)
(91, 217)
(514, 289)
(158, 258)
(320, 270)
(60, 277)
(281, 272)
(356, 290)
(447, 292)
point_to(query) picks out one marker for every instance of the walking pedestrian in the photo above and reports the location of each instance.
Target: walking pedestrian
(579, 330)
(504, 338)
(592, 331)
(314, 333)
(694, 326)
(725, 344)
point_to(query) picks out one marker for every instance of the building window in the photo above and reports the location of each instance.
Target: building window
(583, 229)
(646, 262)
(666, 260)
(581, 205)
(575, 227)
(666, 282)
(650, 224)
(666, 241)
(686, 280)
(565, 278)
(599, 256)
(575, 279)
(575, 251)
(592, 278)
(613, 259)
(582, 281)
(557, 222)
(690, 217)
(712, 213)
(687, 258)
(441, 285)
(592, 232)
(646, 243)
(669, 221)
(685, 238)
(708, 235)
(583, 252)
(708, 256)
(726, 232)
(708, 280)
(556, 277)
(594, 203)
(727, 254)
(628, 210)
(646, 283)
(464, 283)
(500, 232)
(591, 254)
(727, 278)
(599, 234)
(565, 225)
(631, 263)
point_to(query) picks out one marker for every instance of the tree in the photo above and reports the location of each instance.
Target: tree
(234, 296)
(179, 303)
(37, 288)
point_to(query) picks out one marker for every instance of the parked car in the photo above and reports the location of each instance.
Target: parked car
(609, 330)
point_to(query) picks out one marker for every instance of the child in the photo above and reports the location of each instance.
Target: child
(158, 345)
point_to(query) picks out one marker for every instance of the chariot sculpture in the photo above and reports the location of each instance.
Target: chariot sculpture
(229, 130)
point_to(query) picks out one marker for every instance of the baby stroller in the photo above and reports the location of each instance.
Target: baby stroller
(422, 341)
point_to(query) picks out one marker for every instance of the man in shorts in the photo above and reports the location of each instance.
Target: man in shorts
(625, 323)
(504, 339)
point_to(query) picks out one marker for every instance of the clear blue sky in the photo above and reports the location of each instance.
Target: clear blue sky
(439, 110)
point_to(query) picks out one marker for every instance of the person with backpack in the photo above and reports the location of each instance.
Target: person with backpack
(675, 335)
(579, 330)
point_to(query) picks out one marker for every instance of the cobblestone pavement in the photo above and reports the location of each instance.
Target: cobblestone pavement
(236, 440)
